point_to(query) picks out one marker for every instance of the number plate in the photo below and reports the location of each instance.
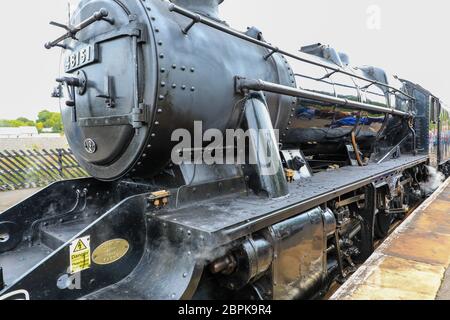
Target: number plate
(80, 58)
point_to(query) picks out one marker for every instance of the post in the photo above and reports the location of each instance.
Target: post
(2, 281)
(60, 163)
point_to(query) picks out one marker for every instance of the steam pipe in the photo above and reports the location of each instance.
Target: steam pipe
(264, 148)
(356, 149)
(243, 84)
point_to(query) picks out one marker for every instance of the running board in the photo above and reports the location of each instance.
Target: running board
(89, 239)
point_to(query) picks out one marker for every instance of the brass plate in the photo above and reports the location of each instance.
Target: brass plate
(110, 251)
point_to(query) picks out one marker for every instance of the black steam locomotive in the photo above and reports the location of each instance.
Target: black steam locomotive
(355, 145)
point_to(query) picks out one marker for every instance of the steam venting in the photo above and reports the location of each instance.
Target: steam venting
(435, 179)
(209, 8)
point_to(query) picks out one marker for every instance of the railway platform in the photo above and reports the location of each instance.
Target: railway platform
(413, 263)
(10, 198)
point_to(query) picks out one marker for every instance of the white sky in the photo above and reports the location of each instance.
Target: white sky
(412, 41)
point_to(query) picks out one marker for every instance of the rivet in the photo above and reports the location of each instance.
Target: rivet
(144, 155)
(159, 110)
(157, 123)
(192, 70)
(149, 146)
(153, 18)
(183, 87)
(163, 70)
(153, 135)
(193, 89)
(174, 85)
(156, 30)
(160, 43)
(161, 97)
(163, 84)
(161, 56)
(183, 68)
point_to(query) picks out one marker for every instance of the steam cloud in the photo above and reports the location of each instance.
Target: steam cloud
(435, 179)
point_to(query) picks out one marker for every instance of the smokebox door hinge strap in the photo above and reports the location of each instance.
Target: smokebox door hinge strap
(137, 118)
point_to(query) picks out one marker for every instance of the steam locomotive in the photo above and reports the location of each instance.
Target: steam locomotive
(355, 146)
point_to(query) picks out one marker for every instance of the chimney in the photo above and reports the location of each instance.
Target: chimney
(208, 8)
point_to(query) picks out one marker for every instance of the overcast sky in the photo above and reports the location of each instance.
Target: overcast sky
(409, 38)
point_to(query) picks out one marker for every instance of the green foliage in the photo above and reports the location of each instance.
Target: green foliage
(45, 119)
(44, 115)
(26, 121)
(39, 126)
(19, 122)
(48, 119)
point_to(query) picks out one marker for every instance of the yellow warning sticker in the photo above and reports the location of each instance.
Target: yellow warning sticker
(80, 255)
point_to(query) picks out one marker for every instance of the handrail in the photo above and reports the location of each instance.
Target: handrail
(218, 26)
(243, 84)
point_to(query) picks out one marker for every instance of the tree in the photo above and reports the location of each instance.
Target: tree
(55, 122)
(44, 115)
(39, 126)
(19, 122)
(25, 121)
(48, 119)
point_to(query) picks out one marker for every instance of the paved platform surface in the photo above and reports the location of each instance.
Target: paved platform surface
(10, 198)
(413, 263)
